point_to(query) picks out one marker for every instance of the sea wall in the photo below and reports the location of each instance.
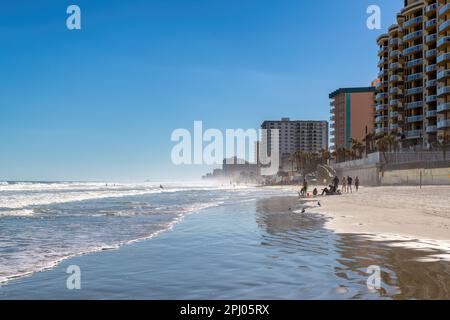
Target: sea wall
(368, 176)
(434, 176)
(399, 169)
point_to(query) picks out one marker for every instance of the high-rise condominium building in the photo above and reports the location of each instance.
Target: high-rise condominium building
(308, 136)
(351, 115)
(413, 95)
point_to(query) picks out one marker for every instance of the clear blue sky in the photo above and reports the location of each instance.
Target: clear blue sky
(101, 103)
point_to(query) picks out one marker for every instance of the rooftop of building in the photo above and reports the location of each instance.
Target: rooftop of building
(297, 121)
(351, 90)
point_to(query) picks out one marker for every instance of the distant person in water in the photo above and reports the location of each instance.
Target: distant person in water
(349, 184)
(161, 187)
(357, 183)
(344, 185)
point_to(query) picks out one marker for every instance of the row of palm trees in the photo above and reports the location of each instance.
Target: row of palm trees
(307, 162)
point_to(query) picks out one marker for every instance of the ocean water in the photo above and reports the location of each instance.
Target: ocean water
(43, 223)
(197, 242)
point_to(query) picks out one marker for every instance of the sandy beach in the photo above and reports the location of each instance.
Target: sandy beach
(392, 213)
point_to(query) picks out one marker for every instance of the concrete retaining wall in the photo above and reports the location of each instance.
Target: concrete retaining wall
(437, 176)
(368, 175)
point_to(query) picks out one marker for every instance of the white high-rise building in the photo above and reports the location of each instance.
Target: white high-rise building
(307, 136)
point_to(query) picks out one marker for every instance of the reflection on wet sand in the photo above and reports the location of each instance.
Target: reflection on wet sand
(349, 256)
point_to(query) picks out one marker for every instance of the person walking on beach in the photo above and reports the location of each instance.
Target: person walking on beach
(349, 184)
(336, 182)
(344, 185)
(357, 183)
(304, 190)
(305, 185)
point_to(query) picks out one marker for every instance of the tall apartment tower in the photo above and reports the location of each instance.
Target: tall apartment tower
(351, 115)
(413, 95)
(311, 136)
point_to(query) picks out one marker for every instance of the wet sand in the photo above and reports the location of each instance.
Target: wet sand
(259, 249)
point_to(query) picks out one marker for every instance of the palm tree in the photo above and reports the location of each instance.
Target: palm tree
(292, 159)
(357, 148)
(390, 140)
(369, 139)
(325, 156)
(443, 142)
(383, 146)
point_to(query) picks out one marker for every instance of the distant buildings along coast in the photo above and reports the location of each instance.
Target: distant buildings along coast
(295, 136)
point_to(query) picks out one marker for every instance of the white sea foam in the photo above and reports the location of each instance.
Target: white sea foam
(33, 245)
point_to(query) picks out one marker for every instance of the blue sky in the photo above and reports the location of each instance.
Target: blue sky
(102, 102)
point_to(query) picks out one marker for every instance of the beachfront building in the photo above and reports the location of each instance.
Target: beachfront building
(413, 93)
(306, 136)
(351, 115)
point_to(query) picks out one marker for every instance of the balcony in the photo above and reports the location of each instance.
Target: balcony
(394, 42)
(443, 58)
(414, 119)
(431, 83)
(395, 90)
(383, 95)
(431, 68)
(413, 105)
(393, 126)
(430, 38)
(430, 24)
(430, 53)
(430, 9)
(413, 22)
(382, 73)
(443, 107)
(431, 114)
(445, 26)
(382, 62)
(333, 110)
(413, 63)
(443, 124)
(381, 119)
(444, 9)
(431, 129)
(430, 99)
(394, 66)
(444, 41)
(416, 90)
(412, 36)
(415, 76)
(443, 90)
(394, 53)
(381, 107)
(393, 114)
(413, 49)
(395, 78)
(381, 130)
(382, 50)
(381, 84)
(394, 102)
(443, 74)
(413, 134)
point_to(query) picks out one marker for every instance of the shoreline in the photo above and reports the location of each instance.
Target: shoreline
(259, 249)
(407, 216)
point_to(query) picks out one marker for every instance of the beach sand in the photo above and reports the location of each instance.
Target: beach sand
(392, 213)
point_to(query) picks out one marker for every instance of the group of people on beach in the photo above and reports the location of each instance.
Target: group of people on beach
(347, 184)
(332, 189)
